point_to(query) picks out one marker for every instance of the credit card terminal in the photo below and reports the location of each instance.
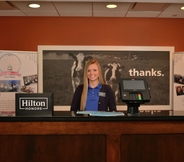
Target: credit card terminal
(134, 91)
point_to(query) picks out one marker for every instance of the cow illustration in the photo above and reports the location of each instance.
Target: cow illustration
(112, 74)
(78, 68)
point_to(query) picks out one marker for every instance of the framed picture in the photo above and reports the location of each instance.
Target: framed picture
(178, 86)
(61, 71)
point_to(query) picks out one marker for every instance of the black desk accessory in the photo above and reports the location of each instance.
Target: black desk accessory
(134, 91)
(34, 104)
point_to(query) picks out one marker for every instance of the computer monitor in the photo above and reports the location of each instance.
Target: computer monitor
(34, 104)
(134, 91)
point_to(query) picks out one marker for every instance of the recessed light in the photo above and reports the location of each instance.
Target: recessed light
(182, 8)
(111, 6)
(34, 5)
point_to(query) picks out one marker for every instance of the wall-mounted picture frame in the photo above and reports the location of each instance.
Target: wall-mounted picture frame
(60, 70)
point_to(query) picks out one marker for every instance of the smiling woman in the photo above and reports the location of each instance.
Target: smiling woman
(94, 94)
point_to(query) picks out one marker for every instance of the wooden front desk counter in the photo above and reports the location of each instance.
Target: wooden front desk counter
(65, 138)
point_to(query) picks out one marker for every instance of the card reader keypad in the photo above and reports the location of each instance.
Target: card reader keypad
(135, 96)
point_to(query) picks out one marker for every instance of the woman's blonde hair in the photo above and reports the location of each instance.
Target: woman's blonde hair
(85, 87)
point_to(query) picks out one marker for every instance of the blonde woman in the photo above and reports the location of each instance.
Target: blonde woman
(93, 94)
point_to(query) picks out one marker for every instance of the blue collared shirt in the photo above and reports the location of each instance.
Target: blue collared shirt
(93, 98)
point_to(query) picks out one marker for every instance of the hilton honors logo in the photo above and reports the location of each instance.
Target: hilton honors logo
(33, 103)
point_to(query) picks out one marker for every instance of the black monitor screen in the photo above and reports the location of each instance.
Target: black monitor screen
(133, 85)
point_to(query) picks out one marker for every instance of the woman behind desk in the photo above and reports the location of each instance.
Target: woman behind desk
(94, 94)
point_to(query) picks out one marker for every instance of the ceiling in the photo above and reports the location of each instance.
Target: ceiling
(95, 8)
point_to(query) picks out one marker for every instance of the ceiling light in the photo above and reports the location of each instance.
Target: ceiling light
(182, 8)
(34, 5)
(111, 6)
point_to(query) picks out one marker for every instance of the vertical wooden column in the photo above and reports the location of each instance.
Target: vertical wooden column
(113, 148)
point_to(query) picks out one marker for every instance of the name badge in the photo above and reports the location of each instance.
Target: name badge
(102, 94)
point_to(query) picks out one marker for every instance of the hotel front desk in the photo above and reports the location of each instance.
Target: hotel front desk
(150, 137)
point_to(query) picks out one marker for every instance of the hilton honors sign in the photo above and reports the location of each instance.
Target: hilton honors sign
(32, 103)
(38, 104)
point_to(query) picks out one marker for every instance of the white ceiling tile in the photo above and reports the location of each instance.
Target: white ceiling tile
(142, 14)
(169, 15)
(45, 6)
(173, 11)
(99, 9)
(5, 6)
(73, 9)
(148, 6)
(44, 13)
(102, 7)
(174, 8)
(11, 13)
(109, 14)
(72, 6)
(76, 14)
(46, 9)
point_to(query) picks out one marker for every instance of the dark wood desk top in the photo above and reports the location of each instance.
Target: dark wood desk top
(67, 116)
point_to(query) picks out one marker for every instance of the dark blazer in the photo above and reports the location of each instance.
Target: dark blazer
(106, 103)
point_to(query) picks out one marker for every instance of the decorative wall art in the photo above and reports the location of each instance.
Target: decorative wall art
(61, 70)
